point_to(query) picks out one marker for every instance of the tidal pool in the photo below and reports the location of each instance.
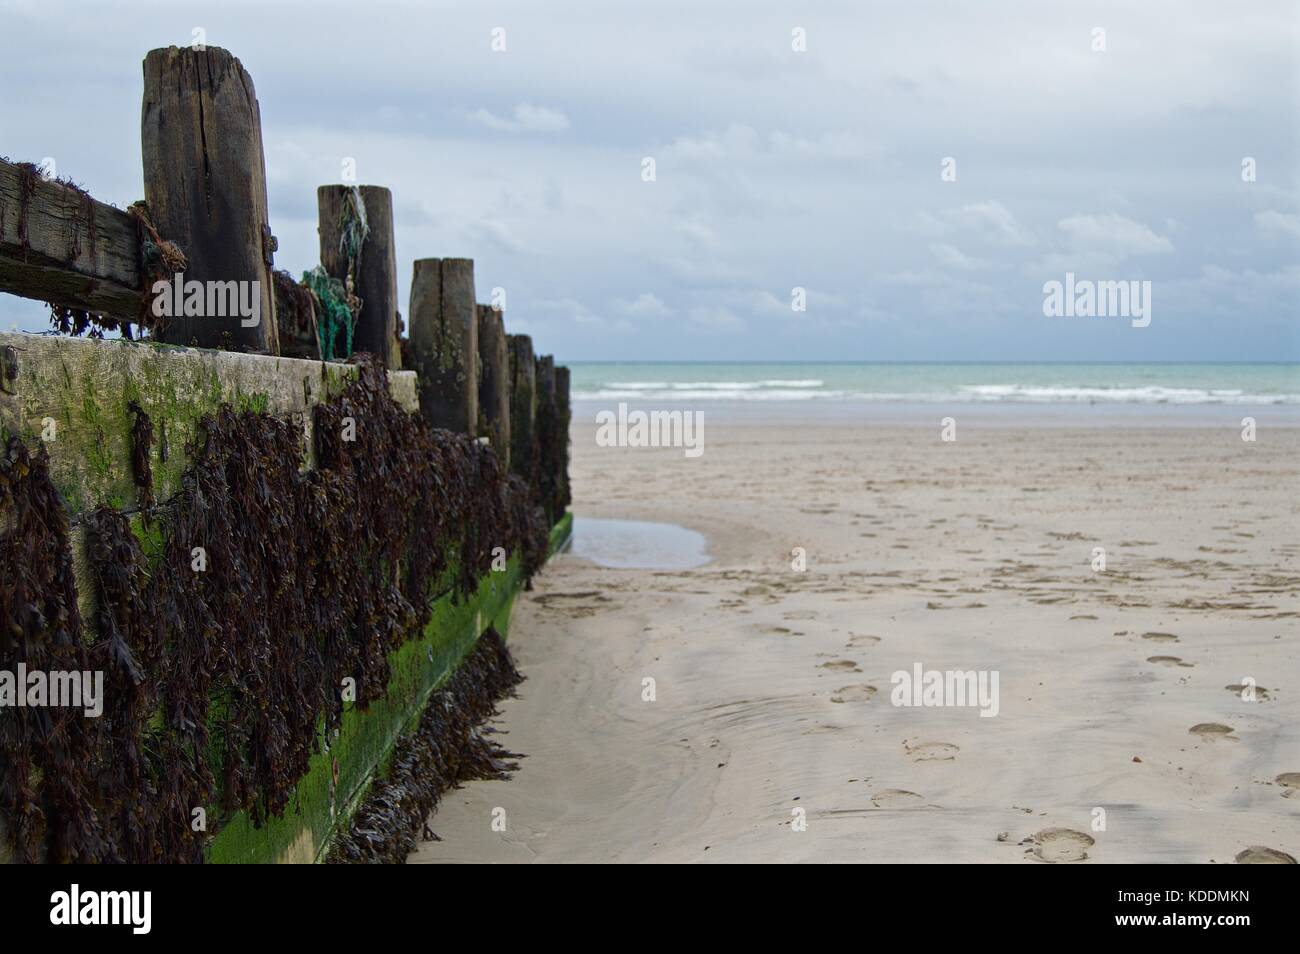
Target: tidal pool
(638, 544)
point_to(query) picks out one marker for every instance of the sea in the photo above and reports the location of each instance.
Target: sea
(1192, 393)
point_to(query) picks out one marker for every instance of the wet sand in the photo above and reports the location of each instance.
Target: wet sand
(772, 686)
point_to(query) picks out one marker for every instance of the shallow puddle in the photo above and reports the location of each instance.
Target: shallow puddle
(638, 544)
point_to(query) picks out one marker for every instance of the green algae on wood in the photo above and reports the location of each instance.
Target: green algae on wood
(76, 394)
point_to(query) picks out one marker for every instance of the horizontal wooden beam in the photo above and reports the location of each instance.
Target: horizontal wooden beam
(58, 244)
(74, 395)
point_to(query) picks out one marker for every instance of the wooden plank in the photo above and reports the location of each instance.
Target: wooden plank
(58, 244)
(205, 183)
(375, 282)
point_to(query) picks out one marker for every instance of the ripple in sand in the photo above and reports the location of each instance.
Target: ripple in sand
(931, 751)
(1289, 779)
(1169, 661)
(1211, 730)
(1259, 855)
(1056, 845)
(859, 693)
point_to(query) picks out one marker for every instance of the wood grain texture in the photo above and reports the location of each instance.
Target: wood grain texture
(376, 283)
(444, 340)
(205, 183)
(523, 403)
(494, 381)
(60, 245)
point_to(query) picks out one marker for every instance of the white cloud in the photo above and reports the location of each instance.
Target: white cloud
(645, 305)
(573, 312)
(1272, 221)
(735, 141)
(712, 316)
(995, 221)
(1113, 234)
(952, 257)
(527, 118)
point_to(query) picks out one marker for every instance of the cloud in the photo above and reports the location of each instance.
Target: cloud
(572, 311)
(1272, 222)
(527, 118)
(995, 222)
(713, 316)
(775, 169)
(644, 305)
(1113, 235)
(953, 258)
(736, 141)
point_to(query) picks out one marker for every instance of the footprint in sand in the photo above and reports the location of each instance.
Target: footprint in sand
(1261, 694)
(1160, 637)
(1291, 782)
(1259, 855)
(895, 798)
(1212, 730)
(858, 693)
(841, 665)
(862, 640)
(1169, 661)
(1056, 845)
(931, 751)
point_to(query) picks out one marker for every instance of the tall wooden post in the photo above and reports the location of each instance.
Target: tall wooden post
(205, 185)
(545, 382)
(444, 340)
(494, 381)
(564, 408)
(546, 427)
(523, 405)
(356, 237)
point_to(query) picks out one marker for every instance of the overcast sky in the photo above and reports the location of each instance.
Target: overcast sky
(775, 168)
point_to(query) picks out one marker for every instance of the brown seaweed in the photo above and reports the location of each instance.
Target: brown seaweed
(445, 749)
(225, 649)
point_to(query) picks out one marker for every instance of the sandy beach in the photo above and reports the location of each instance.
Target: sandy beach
(772, 687)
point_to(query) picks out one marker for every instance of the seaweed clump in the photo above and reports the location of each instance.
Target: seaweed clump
(39, 628)
(226, 650)
(445, 749)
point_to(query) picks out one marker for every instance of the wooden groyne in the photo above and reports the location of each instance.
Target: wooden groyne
(270, 524)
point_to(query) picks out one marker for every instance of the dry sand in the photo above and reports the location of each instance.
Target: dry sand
(773, 686)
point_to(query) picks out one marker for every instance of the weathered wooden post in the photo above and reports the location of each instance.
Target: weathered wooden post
(546, 428)
(523, 405)
(494, 381)
(564, 410)
(444, 340)
(205, 186)
(356, 242)
(546, 379)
